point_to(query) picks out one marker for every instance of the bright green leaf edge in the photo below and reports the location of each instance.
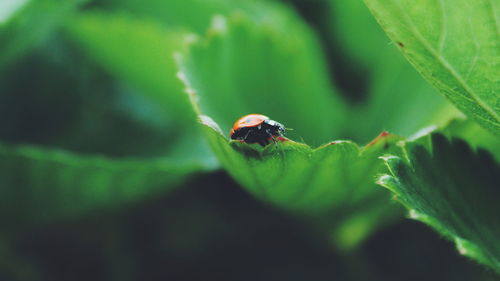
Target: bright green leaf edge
(295, 176)
(453, 189)
(39, 185)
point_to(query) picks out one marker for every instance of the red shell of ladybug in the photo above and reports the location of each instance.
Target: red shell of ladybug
(256, 128)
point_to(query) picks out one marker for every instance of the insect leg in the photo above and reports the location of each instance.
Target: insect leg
(246, 135)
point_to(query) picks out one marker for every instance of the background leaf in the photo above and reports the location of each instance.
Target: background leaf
(453, 189)
(454, 45)
(394, 97)
(476, 136)
(30, 24)
(39, 185)
(192, 14)
(10, 8)
(252, 64)
(72, 104)
(139, 52)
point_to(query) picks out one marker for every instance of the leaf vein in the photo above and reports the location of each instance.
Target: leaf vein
(444, 63)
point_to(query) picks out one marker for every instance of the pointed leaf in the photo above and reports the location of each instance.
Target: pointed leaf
(254, 64)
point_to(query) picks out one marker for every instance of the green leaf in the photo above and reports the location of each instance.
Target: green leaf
(475, 135)
(397, 98)
(9, 8)
(453, 189)
(139, 52)
(193, 14)
(40, 185)
(334, 182)
(99, 116)
(30, 23)
(455, 45)
(254, 64)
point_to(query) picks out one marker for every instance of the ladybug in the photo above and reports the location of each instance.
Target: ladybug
(256, 128)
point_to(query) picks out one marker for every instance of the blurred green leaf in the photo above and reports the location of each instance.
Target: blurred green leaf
(247, 66)
(139, 52)
(40, 185)
(193, 14)
(453, 189)
(72, 104)
(30, 24)
(8, 8)
(455, 45)
(397, 98)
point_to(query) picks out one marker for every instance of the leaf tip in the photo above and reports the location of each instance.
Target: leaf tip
(462, 249)
(380, 137)
(414, 215)
(209, 122)
(423, 132)
(282, 139)
(384, 180)
(389, 158)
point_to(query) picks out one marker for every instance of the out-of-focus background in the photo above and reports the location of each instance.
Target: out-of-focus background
(88, 89)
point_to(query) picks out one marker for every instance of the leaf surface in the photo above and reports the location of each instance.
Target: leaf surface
(40, 185)
(253, 64)
(333, 183)
(26, 24)
(192, 14)
(139, 52)
(396, 98)
(453, 189)
(455, 45)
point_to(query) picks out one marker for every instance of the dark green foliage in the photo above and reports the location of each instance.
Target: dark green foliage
(47, 185)
(29, 24)
(447, 185)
